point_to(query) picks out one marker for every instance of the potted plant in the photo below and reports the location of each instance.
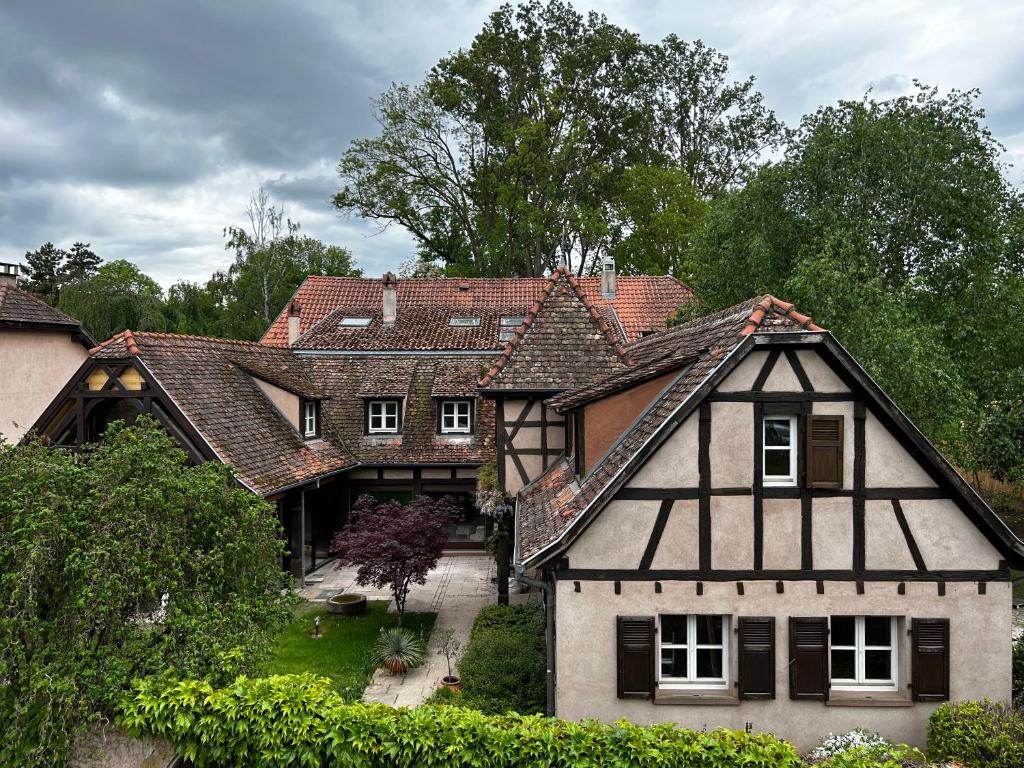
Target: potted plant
(398, 650)
(450, 645)
(348, 605)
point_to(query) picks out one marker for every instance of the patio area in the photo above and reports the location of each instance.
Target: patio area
(456, 591)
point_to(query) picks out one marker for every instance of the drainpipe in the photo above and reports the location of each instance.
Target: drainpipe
(548, 589)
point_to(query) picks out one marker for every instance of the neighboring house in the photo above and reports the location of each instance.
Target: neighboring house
(359, 386)
(40, 347)
(746, 532)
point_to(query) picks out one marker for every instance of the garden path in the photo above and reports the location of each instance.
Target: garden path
(456, 591)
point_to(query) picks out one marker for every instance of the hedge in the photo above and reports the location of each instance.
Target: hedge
(299, 720)
(978, 734)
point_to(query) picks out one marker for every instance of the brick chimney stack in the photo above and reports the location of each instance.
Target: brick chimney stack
(9, 274)
(390, 303)
(608, 278)
(293, 322)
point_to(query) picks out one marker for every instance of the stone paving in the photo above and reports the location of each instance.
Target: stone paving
(456, 591)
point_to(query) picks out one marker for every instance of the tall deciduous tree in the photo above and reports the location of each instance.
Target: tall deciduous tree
(118, 562)
(392, 545)
(118, 296)
(508, 158)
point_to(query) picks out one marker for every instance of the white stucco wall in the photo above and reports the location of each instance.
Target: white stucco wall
(34, 367)
(586, 659)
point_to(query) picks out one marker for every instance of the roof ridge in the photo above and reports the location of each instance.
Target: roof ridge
(770, 303)
(535, 309)
(188, 336)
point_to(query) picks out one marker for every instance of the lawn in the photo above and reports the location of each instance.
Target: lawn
(343, 650)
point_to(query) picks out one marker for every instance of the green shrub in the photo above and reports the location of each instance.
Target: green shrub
(504, 666)
(977, 733)
(860, 748)
(300, 720)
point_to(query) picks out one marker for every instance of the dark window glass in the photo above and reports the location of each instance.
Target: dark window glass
(776, 432)
(709, 630)
(709, 662)
(843, 630)
(673, 662)
(877, 665)
(673, 630)
(776, 463)
(877, 630)
(843, 665)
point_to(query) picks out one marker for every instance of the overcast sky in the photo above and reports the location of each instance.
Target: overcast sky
(143, 127)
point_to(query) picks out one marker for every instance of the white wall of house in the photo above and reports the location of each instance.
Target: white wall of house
(34, 366)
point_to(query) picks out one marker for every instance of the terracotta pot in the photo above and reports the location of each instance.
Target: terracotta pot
(397, 667)
(452, 682)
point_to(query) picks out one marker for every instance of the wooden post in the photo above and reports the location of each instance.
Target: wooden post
(502, 561)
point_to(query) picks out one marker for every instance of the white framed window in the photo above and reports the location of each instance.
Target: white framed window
(456, 417)
(693, 651)
(310, 419)
(779, 448)
(354, 322)
(863, 653)
(382, 417)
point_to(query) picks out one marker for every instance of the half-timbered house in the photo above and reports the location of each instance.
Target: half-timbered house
(363, 386)
(746, 532)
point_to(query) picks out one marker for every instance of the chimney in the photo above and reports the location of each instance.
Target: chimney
(293, 322)
(8, 274)
(390, 307)
(608, 278)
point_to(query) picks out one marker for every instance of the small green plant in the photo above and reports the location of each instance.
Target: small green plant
(978, 734)
(450, 645)
(398, 650)
(1018, 673)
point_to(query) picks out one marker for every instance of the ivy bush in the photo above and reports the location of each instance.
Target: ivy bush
(121, 561)
(299, 720)
(979, 734)
(504, 666)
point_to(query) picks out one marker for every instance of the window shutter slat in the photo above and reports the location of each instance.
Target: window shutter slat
(930, 659)
(635, 653)
(808, 658)
(824, 451)
(757, 657)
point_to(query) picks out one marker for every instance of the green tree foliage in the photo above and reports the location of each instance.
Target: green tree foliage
(81, 263)
(299, 720)
(890, 223)
(118, 296)
(117, 562)
(508, 158)
(44, 266)
(271, 259)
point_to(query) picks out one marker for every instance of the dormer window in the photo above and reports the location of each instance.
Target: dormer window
(456, 417)
(464, 322)
(354, 322)
(310, 419)
(383, 417)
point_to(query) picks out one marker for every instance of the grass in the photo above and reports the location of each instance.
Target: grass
(343, 650)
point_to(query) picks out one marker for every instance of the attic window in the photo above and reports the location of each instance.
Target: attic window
(508, 327)
(354, 322)
(464, 322)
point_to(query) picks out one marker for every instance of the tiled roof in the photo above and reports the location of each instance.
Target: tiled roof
(565, 342)
(210, 380)
(20, 308)
(641, 303)
(551, 504)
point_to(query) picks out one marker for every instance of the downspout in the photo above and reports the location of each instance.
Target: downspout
(548, 589)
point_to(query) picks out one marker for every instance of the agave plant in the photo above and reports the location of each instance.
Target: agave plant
(398, 650)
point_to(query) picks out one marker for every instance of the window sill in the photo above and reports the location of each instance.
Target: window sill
(700, 698)
(867, 699)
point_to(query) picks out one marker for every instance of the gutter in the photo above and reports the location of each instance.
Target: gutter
(549, 635)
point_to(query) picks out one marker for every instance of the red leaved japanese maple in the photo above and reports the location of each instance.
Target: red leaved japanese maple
(394, 545)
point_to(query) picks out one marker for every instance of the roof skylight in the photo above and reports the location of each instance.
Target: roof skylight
(354, 322)
(512, 321)
(464, 322)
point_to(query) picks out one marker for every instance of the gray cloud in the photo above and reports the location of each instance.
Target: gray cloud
(144, 127)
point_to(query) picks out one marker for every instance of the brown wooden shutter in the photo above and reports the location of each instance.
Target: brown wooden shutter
(824, 451)
(635, 652)
(756, 640)
(808, 658)
(930, 659)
